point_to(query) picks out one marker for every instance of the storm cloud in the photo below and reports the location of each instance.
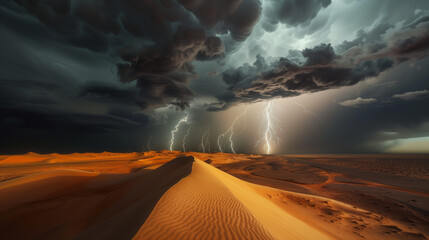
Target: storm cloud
(367, 56)
(357, 102)
(95, 75)
(412, 95)
(292, 12)
(157, 40)
(162, 74)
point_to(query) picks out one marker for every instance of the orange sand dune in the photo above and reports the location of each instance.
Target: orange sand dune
(166, 195)
(210, 204)
(75, 204)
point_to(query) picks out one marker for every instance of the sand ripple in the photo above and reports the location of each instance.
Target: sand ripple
(200, 207)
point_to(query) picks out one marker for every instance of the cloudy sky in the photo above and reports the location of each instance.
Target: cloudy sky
(249, 76)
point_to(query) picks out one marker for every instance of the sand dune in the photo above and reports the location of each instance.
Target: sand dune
(39, 186)
(210, 204)
(167, 195)
(75, 204)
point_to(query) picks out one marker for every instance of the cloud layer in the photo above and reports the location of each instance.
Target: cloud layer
(357, 102)
(412, 95)
(322, 68)
(157, 40)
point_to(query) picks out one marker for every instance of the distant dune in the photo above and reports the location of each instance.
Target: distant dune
(171, 195)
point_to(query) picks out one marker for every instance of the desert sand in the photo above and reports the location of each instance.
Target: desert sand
(174, 195)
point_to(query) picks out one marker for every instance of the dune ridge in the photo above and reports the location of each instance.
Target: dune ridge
(210, 204)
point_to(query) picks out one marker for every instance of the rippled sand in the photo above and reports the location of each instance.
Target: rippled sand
(171, 195)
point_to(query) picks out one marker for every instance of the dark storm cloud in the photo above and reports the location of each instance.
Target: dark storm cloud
(240, 23)
(412, 95)
(75, 75)
(41, 129)
(363, 129)
(88, 21)
(364, 117)
(292, 12)
(213, 73)
(241, 77)
(406, 96)
(209, 12)
(236, 16)
(162, 74)
(366, 56)
(371, 39)
(26, 92)
(32, 105)
(322, 54)
(43, 117)
(109, 93)
(35, 117)
(357, 102)
(158, 40)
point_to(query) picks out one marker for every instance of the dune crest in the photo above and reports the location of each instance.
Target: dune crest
(210, 204)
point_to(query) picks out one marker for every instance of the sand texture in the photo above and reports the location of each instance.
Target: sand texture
(174, 195)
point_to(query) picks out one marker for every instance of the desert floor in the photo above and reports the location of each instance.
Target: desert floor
(175, 195)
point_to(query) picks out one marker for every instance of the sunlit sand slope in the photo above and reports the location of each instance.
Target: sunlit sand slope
(210, 204)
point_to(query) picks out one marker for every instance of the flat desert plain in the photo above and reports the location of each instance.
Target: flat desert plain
(176, 195)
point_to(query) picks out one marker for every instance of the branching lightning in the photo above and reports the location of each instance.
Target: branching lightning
(184, 138)
(270, 130)
(202, 143)
(205, 143)
(176, 129)
(230, 131)
(308, 111)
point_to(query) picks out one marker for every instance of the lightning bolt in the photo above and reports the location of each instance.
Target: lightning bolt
(270, 129)
(205, 141)
(176, 129)
(268, 135)
(230, 131)
(184, 138)
(148, 143)
(308, 111)
(208, 142)
(202, 143)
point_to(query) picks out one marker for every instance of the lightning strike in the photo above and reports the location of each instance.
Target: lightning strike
(268, 134)
(184, 138)
(148, 143)
(271, 127)
(230, 131)
(176, 129)
(202, 143)
(208, 143)
(205, 141)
